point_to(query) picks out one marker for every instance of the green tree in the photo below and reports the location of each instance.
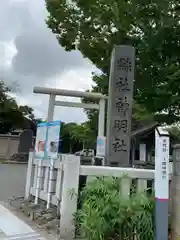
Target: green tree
(27, 111)
(152, 27)
(38, 120)
(67, 141)
(67, 136)
(83, 134)
(174, 132)
(140, 114)
(75, 137)
(11, 115)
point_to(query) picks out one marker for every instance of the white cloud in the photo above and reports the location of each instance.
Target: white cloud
(31, 56)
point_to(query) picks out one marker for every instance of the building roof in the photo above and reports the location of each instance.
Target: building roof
(144, 130)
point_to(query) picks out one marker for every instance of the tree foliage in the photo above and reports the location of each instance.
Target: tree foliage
(140, 114)
(174, 132)
(27, 111)
(152, 27)
(75, 137)
(11, 115)
(83, 133)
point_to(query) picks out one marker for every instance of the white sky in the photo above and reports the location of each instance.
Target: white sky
(31, 56)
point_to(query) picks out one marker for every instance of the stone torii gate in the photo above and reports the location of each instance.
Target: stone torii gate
(53, 92)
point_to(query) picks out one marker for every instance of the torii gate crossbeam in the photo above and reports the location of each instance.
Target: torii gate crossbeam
(52, 92)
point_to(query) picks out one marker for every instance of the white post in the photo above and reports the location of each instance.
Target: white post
(29, 176)
(101, 119)
(51, 180)
(60, 177)
(35, 175)
(161, 182)
(46, 179)
(38, 184)
(59, 183)
(125, 187)
(51, 108)
(142, 184)
(69, 196)
(42, 177)
(101, 124)
(50, 115)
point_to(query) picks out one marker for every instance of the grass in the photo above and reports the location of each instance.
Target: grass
(106, 215)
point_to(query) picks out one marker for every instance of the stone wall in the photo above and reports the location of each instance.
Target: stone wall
(8, 146)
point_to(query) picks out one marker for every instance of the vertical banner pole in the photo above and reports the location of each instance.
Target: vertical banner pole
(50, 116)
(161, 183)
(39, 154)
(52, 153)
(101, 119)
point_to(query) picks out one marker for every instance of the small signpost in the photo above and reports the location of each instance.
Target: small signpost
(99, 159)
(120, 106)
(101, 146)
(161, 182)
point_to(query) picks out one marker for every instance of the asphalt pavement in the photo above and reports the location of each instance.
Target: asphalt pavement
(12, 180)
(13, 225)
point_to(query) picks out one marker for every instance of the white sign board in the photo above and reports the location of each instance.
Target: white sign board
(161, 165)
(47, 139)
(41, 136)
(142, 152)
(53, 137)
(101, 146)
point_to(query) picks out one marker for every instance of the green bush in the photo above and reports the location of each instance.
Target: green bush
(106, 215)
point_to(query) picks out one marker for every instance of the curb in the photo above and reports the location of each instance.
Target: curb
(13, 162)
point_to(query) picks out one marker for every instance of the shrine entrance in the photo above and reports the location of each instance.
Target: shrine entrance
(52, 92)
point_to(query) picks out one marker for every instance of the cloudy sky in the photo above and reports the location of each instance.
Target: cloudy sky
(31, 56)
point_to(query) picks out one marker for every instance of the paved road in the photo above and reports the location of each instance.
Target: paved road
(14, 226)
(12, 180)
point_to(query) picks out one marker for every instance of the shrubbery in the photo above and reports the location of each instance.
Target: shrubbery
(106, 215)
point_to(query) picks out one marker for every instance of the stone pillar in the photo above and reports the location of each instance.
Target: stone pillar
(29, 176)
(120, 106)
(71, 168)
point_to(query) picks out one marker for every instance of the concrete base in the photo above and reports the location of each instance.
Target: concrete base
(161, 219)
